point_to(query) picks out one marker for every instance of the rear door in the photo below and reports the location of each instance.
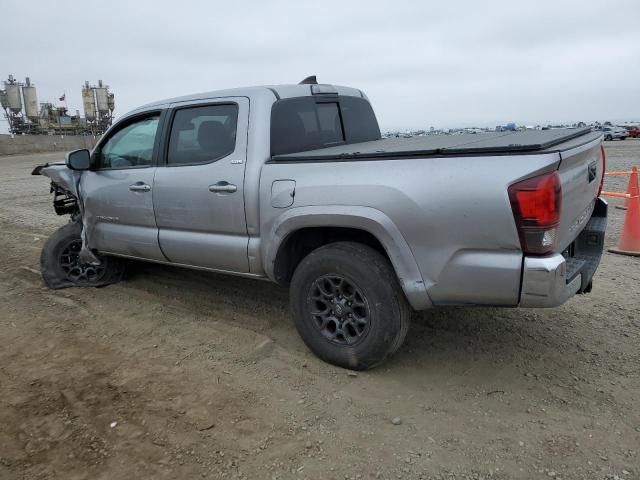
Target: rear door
(117, 192)
(198, 191)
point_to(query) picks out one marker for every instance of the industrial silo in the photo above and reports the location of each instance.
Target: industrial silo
(88, 102)
(30, 100)
(14, 100)
(102, 98)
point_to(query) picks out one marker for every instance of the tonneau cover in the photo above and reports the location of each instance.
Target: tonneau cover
(525, 141)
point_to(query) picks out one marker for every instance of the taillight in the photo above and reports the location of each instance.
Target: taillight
(604, 168)
(536, 204)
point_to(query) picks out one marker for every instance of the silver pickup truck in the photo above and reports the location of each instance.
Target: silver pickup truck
(294, 184)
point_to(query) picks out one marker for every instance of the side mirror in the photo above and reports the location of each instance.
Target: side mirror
(78, 160)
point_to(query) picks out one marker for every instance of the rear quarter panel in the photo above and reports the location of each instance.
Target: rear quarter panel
(453, 212)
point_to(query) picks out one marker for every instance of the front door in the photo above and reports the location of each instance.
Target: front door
(198, 192)
(117, 192)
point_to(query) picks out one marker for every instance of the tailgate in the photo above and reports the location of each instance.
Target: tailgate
(581, 171)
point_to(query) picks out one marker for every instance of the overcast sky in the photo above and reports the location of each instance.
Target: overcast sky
(421, 63)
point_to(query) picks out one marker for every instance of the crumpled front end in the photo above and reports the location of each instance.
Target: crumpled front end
(67, 200)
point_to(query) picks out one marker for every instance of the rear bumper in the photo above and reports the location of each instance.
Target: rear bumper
(550, 281)
(544, 282)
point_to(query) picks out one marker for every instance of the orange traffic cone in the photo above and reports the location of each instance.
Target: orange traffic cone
(630, 240)
(632, 180)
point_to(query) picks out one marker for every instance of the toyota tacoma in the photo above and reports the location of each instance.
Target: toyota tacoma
(294, 184)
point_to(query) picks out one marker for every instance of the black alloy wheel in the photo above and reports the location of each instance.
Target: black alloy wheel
(339, 309)
(75, 270)
(348, 306)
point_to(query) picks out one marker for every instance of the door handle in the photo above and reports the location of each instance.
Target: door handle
(225, 187)
(140, 187)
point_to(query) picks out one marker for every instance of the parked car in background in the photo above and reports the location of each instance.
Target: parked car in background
(634, 132)
(615, 133)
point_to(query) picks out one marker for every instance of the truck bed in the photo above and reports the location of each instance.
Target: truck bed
(499, 143)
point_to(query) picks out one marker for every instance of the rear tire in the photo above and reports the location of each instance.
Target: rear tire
(348, 306)
(61, 267)
(608, 138)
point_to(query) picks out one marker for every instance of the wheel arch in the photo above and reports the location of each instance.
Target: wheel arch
(303, 229)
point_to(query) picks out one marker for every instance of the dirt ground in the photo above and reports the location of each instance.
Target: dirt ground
(181, 374)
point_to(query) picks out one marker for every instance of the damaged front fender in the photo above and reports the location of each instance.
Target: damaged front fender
(63, 187)
(60, 175)
(68, 199)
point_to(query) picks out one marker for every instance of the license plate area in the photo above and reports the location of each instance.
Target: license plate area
(583, 255)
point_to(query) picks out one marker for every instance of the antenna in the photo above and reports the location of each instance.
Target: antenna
(311, 80)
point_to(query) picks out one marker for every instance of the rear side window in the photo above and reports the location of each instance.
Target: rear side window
(202, 134)
(308, 123)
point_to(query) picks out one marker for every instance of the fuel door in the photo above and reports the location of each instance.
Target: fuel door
(283, 193)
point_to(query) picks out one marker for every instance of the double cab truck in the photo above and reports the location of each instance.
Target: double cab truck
(294, 184)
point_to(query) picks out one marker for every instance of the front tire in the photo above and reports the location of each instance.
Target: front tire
(348, 306)
(61, 267)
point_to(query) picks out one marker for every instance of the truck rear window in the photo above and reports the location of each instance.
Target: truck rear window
(308, 123)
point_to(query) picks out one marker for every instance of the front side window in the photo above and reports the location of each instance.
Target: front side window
(202, 134)
(131, 146)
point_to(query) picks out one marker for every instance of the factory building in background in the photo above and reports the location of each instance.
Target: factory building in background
(98, 105)
(26, 116)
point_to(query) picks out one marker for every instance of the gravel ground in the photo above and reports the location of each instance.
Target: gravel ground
(181, 374)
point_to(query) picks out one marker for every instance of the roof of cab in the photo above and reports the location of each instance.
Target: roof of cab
(273, 91)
